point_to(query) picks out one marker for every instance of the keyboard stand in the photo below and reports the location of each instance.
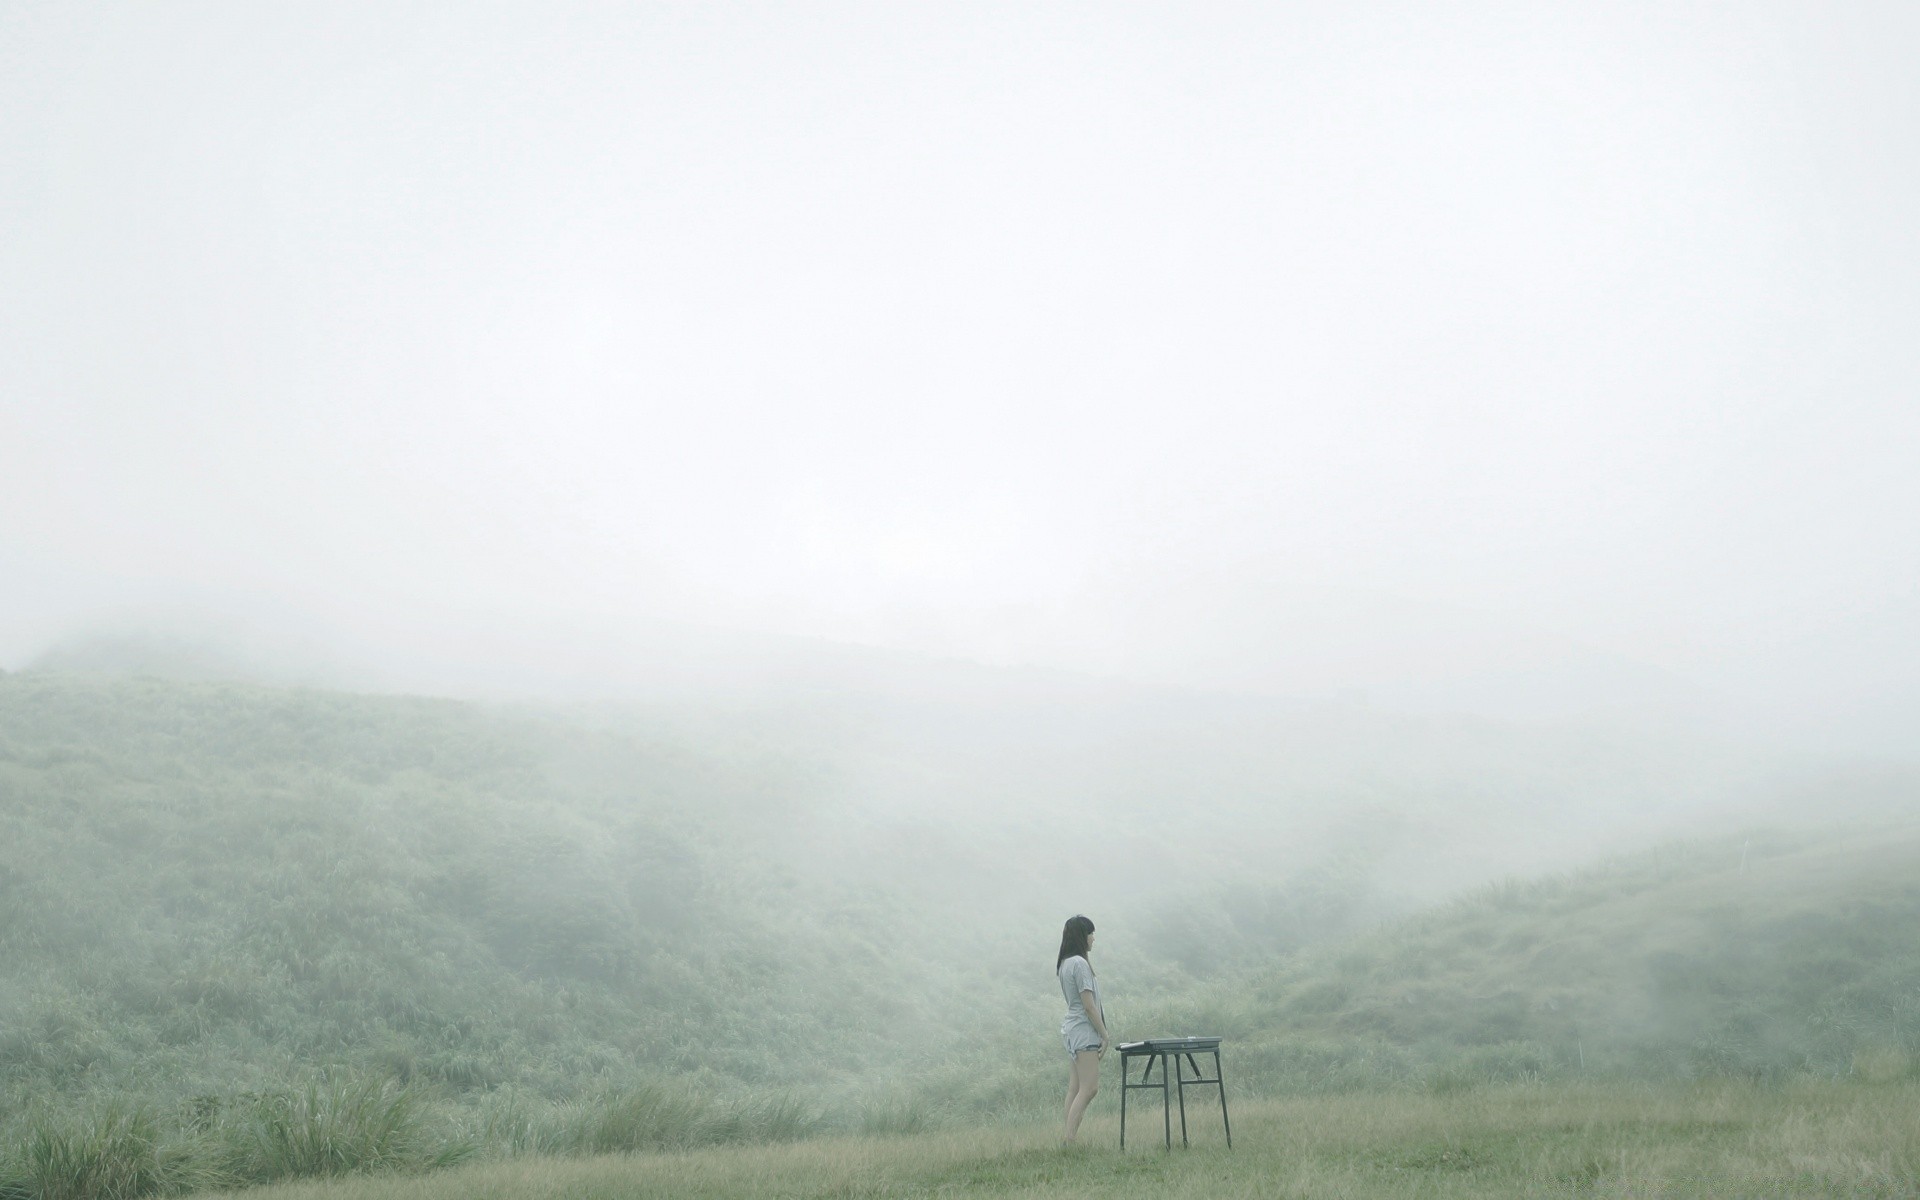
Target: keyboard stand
(1175, 1057)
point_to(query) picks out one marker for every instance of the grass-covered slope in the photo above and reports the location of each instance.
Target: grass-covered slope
(248, 933)
(1759, 955)
(209, 886)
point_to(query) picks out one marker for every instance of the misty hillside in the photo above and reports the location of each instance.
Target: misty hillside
(204, 881)
(210, 885)
(1756, 956)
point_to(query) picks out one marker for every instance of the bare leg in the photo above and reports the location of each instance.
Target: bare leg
(1085, 1082)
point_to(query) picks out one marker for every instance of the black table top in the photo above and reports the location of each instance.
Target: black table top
(1174, 1045)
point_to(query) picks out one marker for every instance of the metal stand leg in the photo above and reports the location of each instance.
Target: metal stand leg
(1221, 1078)
(1123, 1103)
(1181, 1074)
(1166, 1101)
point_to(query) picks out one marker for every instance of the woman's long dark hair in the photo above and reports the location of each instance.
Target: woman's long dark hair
(1073, 940)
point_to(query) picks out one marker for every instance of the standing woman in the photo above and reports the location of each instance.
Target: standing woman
(1084, 1030)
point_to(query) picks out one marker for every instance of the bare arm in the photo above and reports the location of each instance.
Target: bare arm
(1096, 1018)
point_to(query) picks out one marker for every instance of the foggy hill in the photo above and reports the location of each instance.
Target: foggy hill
(841, 912)
(1760, 956)
(200, 878)
(923, 744)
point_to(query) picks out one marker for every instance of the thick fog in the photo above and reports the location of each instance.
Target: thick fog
(1521, 360)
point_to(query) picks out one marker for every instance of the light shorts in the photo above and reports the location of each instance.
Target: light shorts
(1078, 1038)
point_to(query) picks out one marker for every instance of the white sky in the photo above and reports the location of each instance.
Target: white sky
(1471, 354)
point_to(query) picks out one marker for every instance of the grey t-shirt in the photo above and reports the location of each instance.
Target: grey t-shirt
(1076, 977)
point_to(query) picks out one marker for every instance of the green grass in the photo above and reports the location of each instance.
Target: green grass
(334, 1127)
(1720, 1140)
(112, 1150)
(253, 934)
(1745, 957)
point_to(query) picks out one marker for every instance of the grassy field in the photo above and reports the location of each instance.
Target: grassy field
(1717, 1140)
(253, 935)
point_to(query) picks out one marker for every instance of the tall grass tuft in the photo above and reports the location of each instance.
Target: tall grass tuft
(649, 1119)
(111, 1152)
(331, 1127)
(645, 1118)
(899, 1114)
(778, 1118)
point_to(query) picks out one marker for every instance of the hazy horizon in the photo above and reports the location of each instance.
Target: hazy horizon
(1527, 362)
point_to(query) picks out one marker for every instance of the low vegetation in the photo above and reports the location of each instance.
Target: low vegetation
(251, 936)
(1758, 957)
(1710, 1141)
